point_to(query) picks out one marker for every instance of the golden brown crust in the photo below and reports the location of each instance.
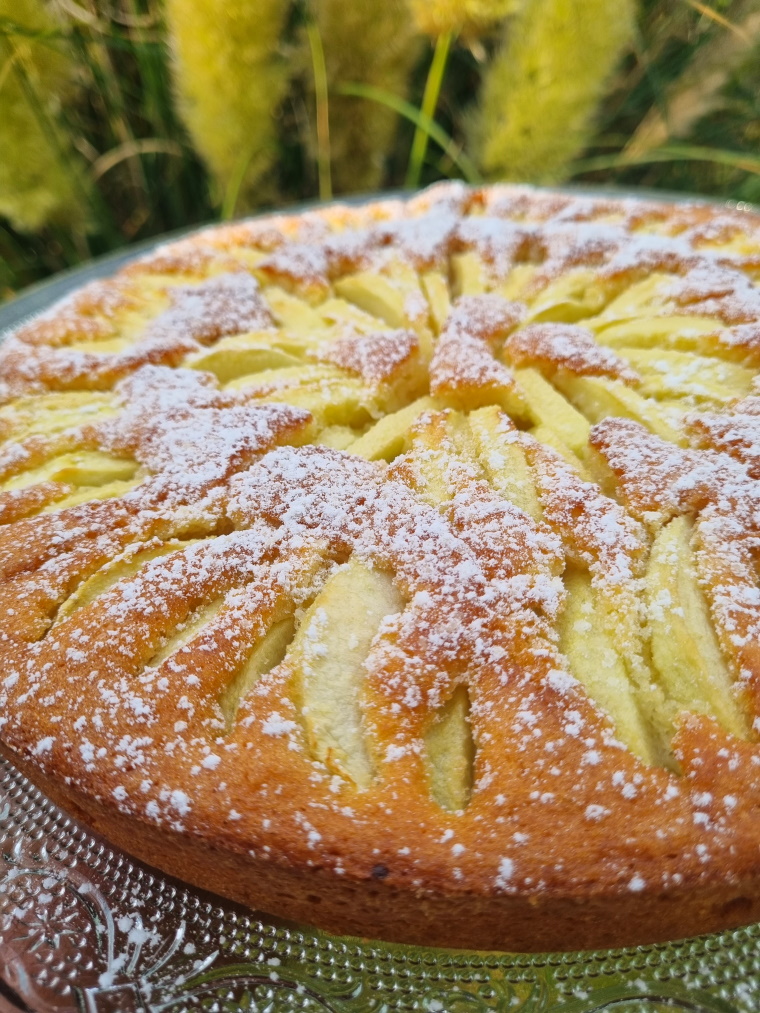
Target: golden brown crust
(426, 686)
(315, 896)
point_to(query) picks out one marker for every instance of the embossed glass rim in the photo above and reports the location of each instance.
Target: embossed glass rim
(709, 967)
(707, 974)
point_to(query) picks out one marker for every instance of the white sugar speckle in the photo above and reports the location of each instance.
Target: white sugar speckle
(180, 801)
(505, 873)
(276, 725)
(595, 812)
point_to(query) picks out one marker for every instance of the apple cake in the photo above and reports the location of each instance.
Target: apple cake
(393, 567)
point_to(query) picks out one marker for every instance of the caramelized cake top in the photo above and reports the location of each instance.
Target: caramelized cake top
(386, 537)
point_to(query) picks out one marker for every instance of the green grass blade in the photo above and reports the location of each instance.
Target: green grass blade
(673, 153)
(232, 190)
(46, 35)
(429, 104)
(323, 118)
(436, 133)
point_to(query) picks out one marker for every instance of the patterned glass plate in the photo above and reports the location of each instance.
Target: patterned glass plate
(85, 928)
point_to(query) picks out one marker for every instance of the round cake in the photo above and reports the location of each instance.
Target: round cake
(393, 567)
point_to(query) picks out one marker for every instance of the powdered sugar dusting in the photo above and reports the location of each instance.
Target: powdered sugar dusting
(377, 358)
(463, 357)
(568, 347)
(150, 638)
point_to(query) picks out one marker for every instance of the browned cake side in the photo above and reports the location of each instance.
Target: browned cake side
(393, 568)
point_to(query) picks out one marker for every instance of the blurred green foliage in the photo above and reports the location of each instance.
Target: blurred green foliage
(124, 119)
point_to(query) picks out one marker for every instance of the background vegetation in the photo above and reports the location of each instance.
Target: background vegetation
(123, 119)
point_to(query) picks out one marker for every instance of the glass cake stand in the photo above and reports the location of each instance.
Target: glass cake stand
(85, 928)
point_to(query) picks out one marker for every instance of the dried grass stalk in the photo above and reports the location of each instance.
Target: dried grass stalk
(697, 90)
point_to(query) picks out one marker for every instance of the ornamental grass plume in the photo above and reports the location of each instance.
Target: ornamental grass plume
(365, 43)
(541, 92)
(438, 17)
(230, 78)
(40, 175)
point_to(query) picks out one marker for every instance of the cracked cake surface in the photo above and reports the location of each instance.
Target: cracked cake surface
(394, 567)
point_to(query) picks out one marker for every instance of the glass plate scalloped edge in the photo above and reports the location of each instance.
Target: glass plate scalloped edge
(83, 927)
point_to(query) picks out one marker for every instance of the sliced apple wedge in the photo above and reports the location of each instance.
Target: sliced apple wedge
(450, 753)
(685, 648)
(328, 655)
(589, 645)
